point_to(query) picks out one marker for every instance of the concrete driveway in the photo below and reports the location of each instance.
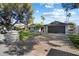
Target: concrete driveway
(57, 44)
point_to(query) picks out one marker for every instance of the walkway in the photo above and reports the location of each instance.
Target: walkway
(55, 45)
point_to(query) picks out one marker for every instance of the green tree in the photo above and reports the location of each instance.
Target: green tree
(76, 5)
(67, 7)
(69, 15)
(19, 11)
(38, 26)
(43, 19)
(31, 21)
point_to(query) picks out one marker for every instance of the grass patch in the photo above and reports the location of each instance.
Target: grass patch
(75, 40)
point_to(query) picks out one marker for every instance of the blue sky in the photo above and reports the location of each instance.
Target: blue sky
(53, 12)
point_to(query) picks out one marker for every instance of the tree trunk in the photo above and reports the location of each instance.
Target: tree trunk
(13, 25)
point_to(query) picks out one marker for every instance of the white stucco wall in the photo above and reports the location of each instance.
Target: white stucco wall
(77, 30)
(66, 30)
(46, 29)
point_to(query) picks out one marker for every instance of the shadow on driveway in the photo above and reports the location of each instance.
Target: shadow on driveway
(54, 52)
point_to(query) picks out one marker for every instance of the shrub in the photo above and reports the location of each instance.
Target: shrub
(38, 26)
(24, 35)
(75, 40)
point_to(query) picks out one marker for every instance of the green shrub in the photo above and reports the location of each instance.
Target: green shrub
(75, 40)
(24, 35)
(38, 26)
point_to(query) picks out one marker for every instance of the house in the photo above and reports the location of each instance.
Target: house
(72, 28)
(57, 27)
(19, 25)
(77, 30)
(32, 27)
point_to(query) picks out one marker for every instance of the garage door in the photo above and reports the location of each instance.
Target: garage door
(56, 29)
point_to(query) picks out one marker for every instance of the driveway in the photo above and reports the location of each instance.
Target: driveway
(56, 45)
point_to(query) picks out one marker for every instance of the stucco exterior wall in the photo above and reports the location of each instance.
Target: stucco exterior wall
(45, 29)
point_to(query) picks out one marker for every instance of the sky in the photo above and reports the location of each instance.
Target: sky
(53, 12)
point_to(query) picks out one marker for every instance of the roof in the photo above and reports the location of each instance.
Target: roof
(56, 23)
(19, 25)
(32, 25)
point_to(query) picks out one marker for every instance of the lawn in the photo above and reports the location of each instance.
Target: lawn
(75, 40)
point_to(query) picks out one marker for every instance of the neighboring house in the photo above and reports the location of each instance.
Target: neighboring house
(71, 28)
(57, 27)
(77, 30)
(19, 25)
(32, 27)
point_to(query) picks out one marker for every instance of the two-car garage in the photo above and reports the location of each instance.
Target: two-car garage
(56, 27)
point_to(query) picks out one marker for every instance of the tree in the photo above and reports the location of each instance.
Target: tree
(31, 21)
(76, 5)
(69, 15)
(42, 18)
(38, 26)
(67, 7)
(18, 11)
(28, 11)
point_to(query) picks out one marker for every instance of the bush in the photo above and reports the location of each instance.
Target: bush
(75, 40)
(38, 26)
(24, 35)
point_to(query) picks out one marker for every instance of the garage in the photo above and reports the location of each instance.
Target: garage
(56, 27)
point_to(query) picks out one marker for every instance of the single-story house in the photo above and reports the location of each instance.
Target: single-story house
(77, 30)
(57, 27)
(33, 29)
(20, 25)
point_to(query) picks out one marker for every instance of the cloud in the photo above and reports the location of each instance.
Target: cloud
(37, 11)
(72, 13)
(48, 6)
(58, 14)
(55, 12)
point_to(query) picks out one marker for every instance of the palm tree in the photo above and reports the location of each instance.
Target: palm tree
(67, 7)
(42, 18)
(68, 15)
